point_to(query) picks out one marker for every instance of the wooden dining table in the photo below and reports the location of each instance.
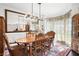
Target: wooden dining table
(29, 41)
(26, 41)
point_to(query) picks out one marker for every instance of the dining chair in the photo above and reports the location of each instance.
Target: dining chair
(37, 45)
(48, 41)
(51, 36)
(16, 50)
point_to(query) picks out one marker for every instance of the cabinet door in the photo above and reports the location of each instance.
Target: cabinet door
(1, 48)
(1, 35)
(74, 45)
(75, 24)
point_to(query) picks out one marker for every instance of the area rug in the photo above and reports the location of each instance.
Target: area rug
(59, 49)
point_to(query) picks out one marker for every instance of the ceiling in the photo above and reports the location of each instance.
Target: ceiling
(47, 9)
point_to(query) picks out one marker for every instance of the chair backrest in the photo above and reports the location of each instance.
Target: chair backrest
(51, 36)
(51, 33)
(2, 30)
(39, 39)
(40, 36)
(7, 43)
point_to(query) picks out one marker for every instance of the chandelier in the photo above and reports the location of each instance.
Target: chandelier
(32, 14)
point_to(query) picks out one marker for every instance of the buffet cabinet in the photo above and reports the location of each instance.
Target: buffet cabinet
(2, 29)
(75, 33)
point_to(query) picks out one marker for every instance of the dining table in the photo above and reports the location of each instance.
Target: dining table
(26, 41)
(29, 40)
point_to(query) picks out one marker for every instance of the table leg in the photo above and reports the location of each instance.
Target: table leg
(30, 49)
(26, 53)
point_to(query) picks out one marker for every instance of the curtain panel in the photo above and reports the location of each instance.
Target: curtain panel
(61, 25)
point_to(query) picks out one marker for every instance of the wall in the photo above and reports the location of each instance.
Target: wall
(11, 36)
(3, 7)
(74, 11)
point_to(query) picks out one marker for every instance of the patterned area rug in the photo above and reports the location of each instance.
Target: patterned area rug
(60, 48)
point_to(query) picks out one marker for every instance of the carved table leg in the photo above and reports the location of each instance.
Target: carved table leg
(30, 49)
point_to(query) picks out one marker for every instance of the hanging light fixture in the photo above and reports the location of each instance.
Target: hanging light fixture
(36, 17)
(39, 11)
(32, 12)
(40, 17)
(30, 15)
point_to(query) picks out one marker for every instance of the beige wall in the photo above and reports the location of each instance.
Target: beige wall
(11, 36)
(74, 11)
(3, 7)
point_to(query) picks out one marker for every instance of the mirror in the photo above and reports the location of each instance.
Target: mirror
(14, 21)
(17, 22)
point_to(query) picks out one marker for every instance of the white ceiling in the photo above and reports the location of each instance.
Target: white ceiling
(47, 9)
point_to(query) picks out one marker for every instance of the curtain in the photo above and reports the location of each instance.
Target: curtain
(61, 25)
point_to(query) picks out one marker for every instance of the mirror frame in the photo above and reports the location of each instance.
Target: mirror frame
(6, 10)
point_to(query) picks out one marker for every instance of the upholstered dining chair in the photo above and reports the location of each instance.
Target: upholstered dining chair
(51, 36)
(16, 50)
(47, 43)
(37, 45)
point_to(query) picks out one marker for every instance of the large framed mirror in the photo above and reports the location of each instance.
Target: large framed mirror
(14, 21)
(18, 22)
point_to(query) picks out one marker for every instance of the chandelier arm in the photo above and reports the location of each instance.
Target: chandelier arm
(39, 10)
(32, 9)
